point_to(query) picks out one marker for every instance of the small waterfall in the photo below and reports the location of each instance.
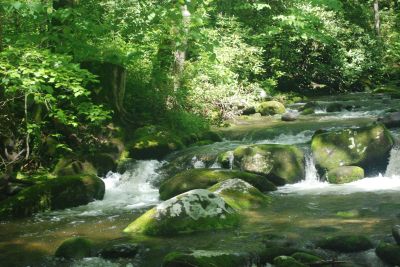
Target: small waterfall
(311, 171)
(393, 167)
(197, 163)
(231, 159)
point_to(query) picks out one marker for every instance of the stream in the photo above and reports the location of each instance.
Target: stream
(300, 213)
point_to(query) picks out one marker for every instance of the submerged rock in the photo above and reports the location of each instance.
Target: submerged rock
(196, 210)
(279, 163)
(240, 194)
(119, 251)
(344, 174)
(346, 243)
(203, 258)
(389, 253)
(204, 178)
(75, 248)
(271, 108)
(367, 147)
(335, 107)
(308, 111)
(58, 193)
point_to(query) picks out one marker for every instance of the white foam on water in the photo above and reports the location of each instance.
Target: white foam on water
(289, 139)
(393, 167)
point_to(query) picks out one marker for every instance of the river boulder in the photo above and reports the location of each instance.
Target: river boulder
(69, 166)
(240, 194)
(193, 211)
(396, 233)
(290, 116)
(389, 253)
(75, 248)
(204, 178)
(391, 120)
(281, 164)
(346, 243)
(53, 194)
(271, 108)
(344, 174)
(367, 147)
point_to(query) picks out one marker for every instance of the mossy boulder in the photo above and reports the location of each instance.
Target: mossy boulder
(287, 261)
(240, 194)
(389, 253)
(306, 258)
(344, 174)
(193, 211)
(346, 243)
(152, 142)
(281, 164)
(203, 258)
(75, 248)
(68, 167)
(335, 107)
(396, 233)
(58, 193)
(364, 147)
(115, 251)
(308, 111)
(204, 178)
(103, 163)
(225, 159)
(271, 108)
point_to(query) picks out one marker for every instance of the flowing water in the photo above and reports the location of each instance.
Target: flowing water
(302, 213)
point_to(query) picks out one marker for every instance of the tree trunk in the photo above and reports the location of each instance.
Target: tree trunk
(180, 53)
(377, 18)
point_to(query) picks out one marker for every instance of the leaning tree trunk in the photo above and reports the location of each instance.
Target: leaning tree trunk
(377, 19)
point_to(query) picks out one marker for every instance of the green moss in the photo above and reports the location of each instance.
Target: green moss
(360, 147)
(306, 258)
(152, 142)
(308, 111)
(194, 211)
(287, 261)
(225, 159)
(346, 243)
(103, 162)
(389, 253)
(74, 248)
(279, 163)
(344, 174)
(205, 259)
(68, 167)
(204, 178)
(59, 193)
(271, 108)
(240, 195)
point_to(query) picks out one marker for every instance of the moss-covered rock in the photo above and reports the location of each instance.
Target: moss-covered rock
(334, 107)
(68, 167)
(75, 248)
(287, 261)
(240, 194)
(59, 193)
(365, 147)
(346, 243)
(279, 163)
(203, 258)
(396, 233)
(308, 111)
(271, 108)
(115, 251)
(103, 163)
(389, 253)
(225, 159)
(196, 210)
(306, 258)
(344, 174)
(204, 178)
(152, 142)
